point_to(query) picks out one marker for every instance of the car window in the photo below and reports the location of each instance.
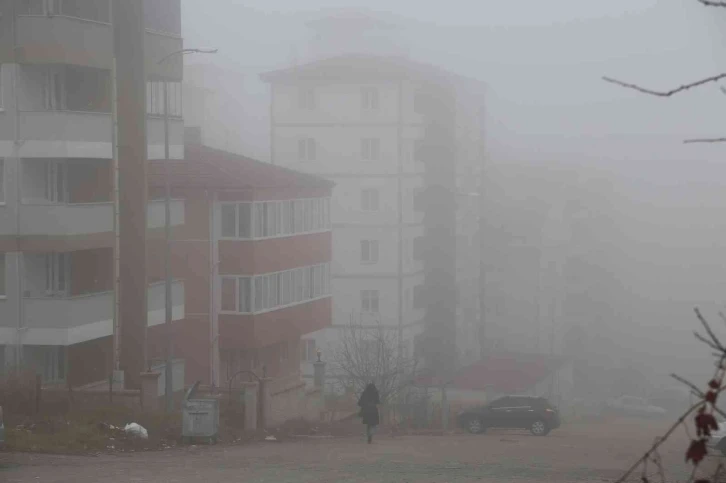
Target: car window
(522, 401)
(501, 403)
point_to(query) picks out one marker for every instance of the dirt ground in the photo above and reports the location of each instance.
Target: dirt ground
(576, 452)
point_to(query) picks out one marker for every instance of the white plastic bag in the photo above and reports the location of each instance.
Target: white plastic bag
(137, 430)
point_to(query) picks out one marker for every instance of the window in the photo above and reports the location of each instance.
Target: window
(408, 299)
(244, 220)
(370, 149)
(244, 291)
(229, 220)
(369, 200)
(57, 268)
(369, 251)
(85, 9)
(229, 300)
(306, 149)
(2, 181)
(56, 181)
(54, 92)
(369, 98)
(158, 16)
(369, 300)
(308, 352)
(501, 403)
(236, 294)
(155, 98)
(3, 292)
(240, 294)
(1, 82)
(34, 7)
(274, 218)
(306, 98)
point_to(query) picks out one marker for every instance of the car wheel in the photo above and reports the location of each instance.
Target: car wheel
(539, 428)
(474, 426)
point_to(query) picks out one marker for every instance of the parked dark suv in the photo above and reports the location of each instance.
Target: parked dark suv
(526, 412)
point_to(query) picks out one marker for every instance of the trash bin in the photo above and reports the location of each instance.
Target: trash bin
(200, 418)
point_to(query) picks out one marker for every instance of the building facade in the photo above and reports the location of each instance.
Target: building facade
(402, 141)
(57, 184)
(255, 253)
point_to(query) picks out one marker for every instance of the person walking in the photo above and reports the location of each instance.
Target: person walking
(368, 402)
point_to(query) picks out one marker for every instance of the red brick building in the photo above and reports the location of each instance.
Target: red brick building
(254, 253)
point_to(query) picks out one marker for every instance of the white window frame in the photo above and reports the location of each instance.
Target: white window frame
(370, 98)
(276, 218)
(370, 149)
(369, 252)
(54, 93)
(370, 301)
(56, 181)
(2, 181)
(307, 149)
(57, 274)
(370, 200)
(277, 290)
(308, 350)
(3, 286)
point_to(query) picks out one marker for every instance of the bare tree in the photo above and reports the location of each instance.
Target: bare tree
(702, 412)
(370, 353)
(683, 87)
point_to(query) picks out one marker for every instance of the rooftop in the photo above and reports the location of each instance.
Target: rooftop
(506, 373)
(365, 66)
(205, 167)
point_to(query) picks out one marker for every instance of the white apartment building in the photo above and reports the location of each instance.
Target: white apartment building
(362, 121)
(56, 183)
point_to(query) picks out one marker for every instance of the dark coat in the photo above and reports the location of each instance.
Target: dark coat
(368, 402)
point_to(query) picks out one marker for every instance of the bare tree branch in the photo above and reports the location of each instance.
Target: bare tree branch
(705, 140)
(669, 93)
(369, 353)
(709, 331)
(712, 3)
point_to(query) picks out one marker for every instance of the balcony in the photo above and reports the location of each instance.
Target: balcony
(61, 39)
(71, 320)
(87, 218)
(73, 134)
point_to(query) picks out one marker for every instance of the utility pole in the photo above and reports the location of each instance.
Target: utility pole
(129, 32)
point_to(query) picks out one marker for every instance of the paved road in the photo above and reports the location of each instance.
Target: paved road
(590, 453)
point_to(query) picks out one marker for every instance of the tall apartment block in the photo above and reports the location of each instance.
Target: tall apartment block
(403, 143)
(56, 189)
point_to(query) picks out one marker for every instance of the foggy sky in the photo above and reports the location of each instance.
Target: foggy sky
(542, 62)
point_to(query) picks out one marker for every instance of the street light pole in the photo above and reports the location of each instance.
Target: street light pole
(168, 382)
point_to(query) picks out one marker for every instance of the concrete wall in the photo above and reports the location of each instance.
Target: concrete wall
(289, 399)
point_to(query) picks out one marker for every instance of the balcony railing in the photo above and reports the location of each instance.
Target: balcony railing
(87, 218)
(62, 39)
(75, 134)
(70, 320)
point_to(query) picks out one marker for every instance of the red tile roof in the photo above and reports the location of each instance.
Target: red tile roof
(506, 373)
(205, 167)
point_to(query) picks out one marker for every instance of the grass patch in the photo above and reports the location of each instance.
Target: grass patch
(93, 431)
